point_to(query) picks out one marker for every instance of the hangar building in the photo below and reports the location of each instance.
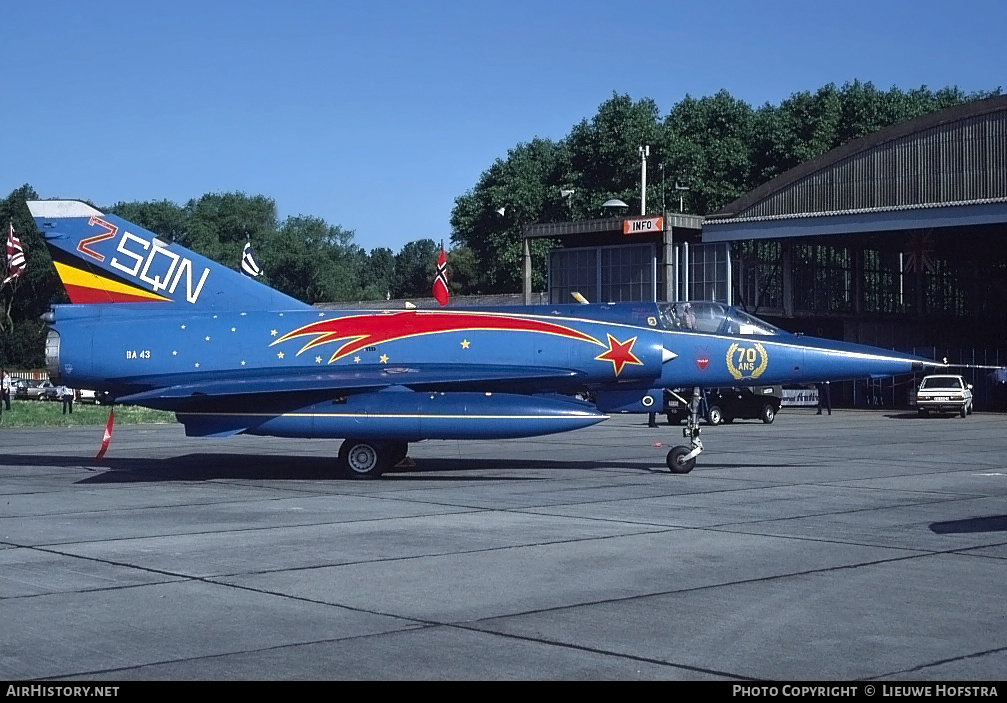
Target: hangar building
(897, 239)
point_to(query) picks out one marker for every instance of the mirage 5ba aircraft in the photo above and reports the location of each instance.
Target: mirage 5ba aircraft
(157, 325)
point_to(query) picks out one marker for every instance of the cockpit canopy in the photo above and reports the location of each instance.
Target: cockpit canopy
(714, 318)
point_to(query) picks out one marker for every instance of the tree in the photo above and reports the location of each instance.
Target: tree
(415, 268)
(803, 127)
(511, 194)
(708, 142)
(23, 300)
(164, 218)
(313, 261)
(605, 158)
(379, 274)
(463, 270)
(218, 225)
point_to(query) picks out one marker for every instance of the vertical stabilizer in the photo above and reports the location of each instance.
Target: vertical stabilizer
(103, 259)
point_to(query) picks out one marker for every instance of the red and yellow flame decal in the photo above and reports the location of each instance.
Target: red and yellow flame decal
(368, 330)
(362, 331)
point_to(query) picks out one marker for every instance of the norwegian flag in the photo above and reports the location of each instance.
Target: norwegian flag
(15, 256)
(441, 282)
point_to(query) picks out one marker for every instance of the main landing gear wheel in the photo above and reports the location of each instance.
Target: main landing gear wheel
(359, 458)
(677, 462)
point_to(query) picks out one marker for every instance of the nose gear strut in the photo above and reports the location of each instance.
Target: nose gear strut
(682, 459)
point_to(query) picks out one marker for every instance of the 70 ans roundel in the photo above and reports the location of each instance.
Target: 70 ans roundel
(747, 361)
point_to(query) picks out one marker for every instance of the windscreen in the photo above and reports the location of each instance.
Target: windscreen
(713, 318)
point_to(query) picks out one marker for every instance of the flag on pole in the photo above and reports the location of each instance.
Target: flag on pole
(15, 255)
(107, 437)
(920, 258)
(441, 281)
(248, 265)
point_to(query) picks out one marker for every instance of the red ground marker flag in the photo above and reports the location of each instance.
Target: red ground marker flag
(107, 437)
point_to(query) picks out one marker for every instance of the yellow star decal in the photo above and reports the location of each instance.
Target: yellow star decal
(279, 355)
(272, 332)
(356, 360)
(465, 344)
(318, 359)
(384, 358)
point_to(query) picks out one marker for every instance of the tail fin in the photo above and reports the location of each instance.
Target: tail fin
(102, 258)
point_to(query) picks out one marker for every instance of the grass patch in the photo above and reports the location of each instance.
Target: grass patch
(37, 413)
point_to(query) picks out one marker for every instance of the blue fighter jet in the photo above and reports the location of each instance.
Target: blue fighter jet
(153, 324)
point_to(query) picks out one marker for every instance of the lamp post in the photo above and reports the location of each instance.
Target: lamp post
(681, 195)
(567, 195)
(644, 153)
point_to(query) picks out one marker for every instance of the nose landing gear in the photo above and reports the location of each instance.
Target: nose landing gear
(682, 459)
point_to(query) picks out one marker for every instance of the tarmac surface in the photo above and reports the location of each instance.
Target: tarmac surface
(865, 545)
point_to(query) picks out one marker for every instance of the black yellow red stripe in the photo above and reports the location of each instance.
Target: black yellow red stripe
(88, 286)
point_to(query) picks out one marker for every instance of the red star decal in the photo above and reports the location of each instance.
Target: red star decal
(619, 353)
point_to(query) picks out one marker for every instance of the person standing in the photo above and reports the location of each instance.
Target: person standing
(824, 398)
(5, 388)
(66, 395)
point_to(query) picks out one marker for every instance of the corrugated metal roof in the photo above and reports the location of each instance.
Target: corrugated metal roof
(857, 211)
(948, 158)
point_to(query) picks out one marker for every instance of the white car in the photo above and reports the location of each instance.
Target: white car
(944, 393)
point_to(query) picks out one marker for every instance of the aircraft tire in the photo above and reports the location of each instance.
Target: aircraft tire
(675, 463)
(360, 458)
(715, 415)
(768, 414)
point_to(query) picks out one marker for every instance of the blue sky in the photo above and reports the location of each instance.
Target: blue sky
(376, 115)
